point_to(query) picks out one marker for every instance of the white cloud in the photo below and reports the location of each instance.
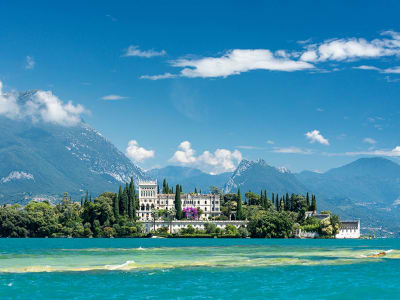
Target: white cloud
(292, 150)
(248, 147)
(353, 48)
(394, 70)
(157, 77)
(222, 160)
(395, 152)
(113, 97)
(185, 155)
(237, 61)
(30, 63)
(8, 104)
(136, 153)
(135, 51)
(364, 67)
(41, 105)
(270, 142)
(316, 136)
(369, 141)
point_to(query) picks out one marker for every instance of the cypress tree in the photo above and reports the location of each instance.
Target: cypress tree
(180, 189)
(90, 199)
(308, 201)
(277, 202)
(282, 205)
(131, 199)
(265, 198)
(120, 205)
(292, 208)
(239, 208)
(164, 187)
(158, 189)
(262, 199)
(273, 199)
(178, 203)
(195, 190)
(125, 201)
(200, 192)
(313, 203)
(87, 196)
(287, 204)
(116, 206)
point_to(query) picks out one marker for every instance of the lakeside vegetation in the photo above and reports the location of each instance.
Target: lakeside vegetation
(114, 215)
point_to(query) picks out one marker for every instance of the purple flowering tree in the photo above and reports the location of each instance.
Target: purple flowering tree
(191, 213)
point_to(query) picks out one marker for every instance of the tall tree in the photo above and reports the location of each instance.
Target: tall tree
(120, 200)
(178, 203)
(124, 201)
(273, 199)
(308, 201)
(239, 208)
(313, 203)
(131, 199)
(164, 187)
(116, 206)
(287, 202)
(266, 199)
(277, 202)
(195, 190)
(282, 204)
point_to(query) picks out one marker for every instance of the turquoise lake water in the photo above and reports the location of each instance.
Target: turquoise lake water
(198, 269)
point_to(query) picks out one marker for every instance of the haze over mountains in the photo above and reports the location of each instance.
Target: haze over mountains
(42, 160)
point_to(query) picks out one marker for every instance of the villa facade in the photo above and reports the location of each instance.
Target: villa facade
(150, 199)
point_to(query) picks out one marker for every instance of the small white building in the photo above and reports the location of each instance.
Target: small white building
(149, 199)
(349, 230)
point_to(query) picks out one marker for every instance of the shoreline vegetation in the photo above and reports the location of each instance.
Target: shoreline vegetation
(112, 215)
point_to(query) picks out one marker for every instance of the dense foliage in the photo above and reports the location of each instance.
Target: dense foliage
(68, 219)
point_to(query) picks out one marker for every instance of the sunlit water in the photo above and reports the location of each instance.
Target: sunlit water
(198, 268)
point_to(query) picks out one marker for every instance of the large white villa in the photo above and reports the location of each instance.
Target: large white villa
(150, 199)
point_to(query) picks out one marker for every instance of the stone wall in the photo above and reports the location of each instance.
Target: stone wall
(175, 225)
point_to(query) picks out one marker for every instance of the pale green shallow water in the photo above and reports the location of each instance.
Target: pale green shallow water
(198, 268)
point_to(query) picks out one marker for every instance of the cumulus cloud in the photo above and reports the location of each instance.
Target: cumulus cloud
(353, 48)
(41, 106)
(30, 63)
(222, 160)
(136, 153)
(316, 136)
(135, 51)
(370, 141)
(292, 150)
(237, 61)
(113, 97)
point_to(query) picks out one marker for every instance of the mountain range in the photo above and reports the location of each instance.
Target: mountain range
(41, 160)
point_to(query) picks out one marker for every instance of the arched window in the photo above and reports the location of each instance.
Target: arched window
(152, 206)
(147, 206)
(142, 207)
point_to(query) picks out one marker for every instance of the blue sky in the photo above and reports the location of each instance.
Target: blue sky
(307, 86)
